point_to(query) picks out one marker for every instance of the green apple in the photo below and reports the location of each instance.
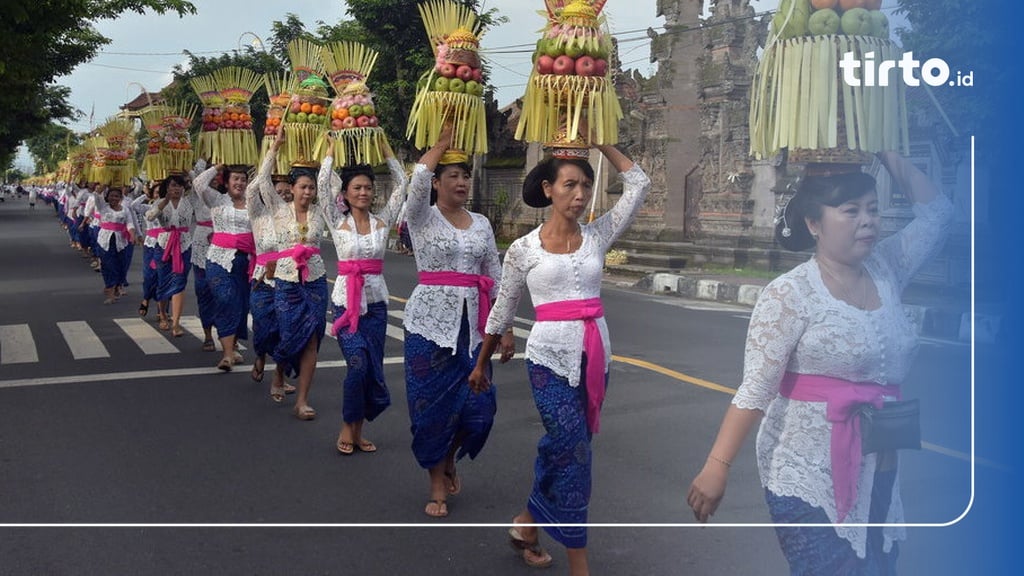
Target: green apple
(301, 117)
(797, 24)
(823, 22)
(879, 24)
(441, 84)
(573, 49)
(856, 22)
(456, 85)
(551, 48)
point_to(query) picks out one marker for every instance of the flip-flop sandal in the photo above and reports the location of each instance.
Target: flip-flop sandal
(257, 372)
(345, 448)
(540, 557)
(304, 412)
(143, 309)
(277, 393)
(177, 332)
(441, 507)
(224, 365)
(288, 388)
(366, 446)
(209, 346)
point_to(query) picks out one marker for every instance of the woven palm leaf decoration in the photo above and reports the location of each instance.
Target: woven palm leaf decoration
(280, 86)
(176, 148)
(237, 141)
(207, 144)
(452, 91)
(118, 153)
(355, 128)
(571, 82)
(152, 120)
(305, 121)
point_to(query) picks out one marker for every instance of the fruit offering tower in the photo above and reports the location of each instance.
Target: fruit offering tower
(119, 165)
(571, 80)
(152, 121)
(452, 91)
(801, 101)
(208, 145)
(237, 141)
(176, 149)
(305, 121)
(355, 128)
(279, 90)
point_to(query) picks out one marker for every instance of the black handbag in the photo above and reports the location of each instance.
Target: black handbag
(894, 426)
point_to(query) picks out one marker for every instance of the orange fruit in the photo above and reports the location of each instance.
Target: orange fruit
(306, 107)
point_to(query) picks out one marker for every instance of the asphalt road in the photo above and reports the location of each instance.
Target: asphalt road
(155, 463)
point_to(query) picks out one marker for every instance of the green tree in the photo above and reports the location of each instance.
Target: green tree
(953, 31)
(50, 146)
(41, 41)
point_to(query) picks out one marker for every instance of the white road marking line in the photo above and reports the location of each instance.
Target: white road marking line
(17, 345)
(147, 338)
(83, 342)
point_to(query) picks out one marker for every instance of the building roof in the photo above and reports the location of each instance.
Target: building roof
(142, 100)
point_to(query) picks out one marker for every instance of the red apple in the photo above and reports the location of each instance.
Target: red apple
(373, 121)
(600, 67)
(349, 122)
(296, 107)
(563, 65)
(584, 66)
(363, 121)
(337, 124)
(465, 73)
(478, 74)
(448, 70)
(545, 64)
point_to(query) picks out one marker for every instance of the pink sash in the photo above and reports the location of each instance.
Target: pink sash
(588, 311)
(243, 242)
(301, 254)
(482, 283)
(118, 227)
(355, 272)
(843, 400)
(172, 251)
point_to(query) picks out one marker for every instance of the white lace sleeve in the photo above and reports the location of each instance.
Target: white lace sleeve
(271, 201)
(776, 325)
(613, 223)
(205, 193)
(324, 191)
(510, 291)
(254, 204)
(393, 208)
(919, 241)
(491, 265)
(417, 203)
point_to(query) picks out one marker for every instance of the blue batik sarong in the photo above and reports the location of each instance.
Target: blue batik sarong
(168, 283)
(811, 551)
(365, 394)
(129, 253)
(113, 264)
(205, 301)
(442, 408)
(562, 471)
(230, 290)
(265, 331)
(301, 309)
(150, 255)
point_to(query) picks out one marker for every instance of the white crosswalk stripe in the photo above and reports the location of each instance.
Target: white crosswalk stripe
(18, 341)
(148, 338)
(83, 342)
(17, 345)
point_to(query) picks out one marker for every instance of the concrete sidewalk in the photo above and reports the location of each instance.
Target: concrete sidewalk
(945, 318)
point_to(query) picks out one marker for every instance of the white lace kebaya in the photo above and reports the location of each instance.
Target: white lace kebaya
(351, 245)
(288, 233)
(798, 326)
(180, 216)
(433, 311)
(558, 345)
(261, 218)
(226, 218)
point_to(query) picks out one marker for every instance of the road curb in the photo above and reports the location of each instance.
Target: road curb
(947, 322)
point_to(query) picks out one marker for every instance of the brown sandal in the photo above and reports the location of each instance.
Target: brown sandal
(225, 365)
(441, 507)
(531, 552)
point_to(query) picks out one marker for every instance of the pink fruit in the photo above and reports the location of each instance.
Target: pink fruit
(478, 75)
(465, 73)
(337, 124)
(296, 107)
(584, 66)
(373, 121)
(545, 64)
(600, 67)
(363, 121)
(349, 122)
(448, 70)
(564, 65)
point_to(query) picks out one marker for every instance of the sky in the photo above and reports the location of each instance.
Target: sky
(145, 48)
